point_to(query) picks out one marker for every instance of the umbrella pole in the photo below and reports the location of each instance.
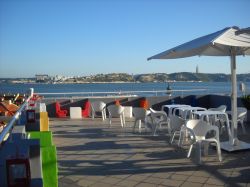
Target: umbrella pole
(234, 144)
(233, 140)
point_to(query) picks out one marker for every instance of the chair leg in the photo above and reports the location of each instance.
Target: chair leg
(155, 128)
(169, 128)
(134, 125)
(181, 138)
(104, 112)
(198, 152)
(110, 120)
(219, 151)
(172, 138)
(121, 119)
(103, 116)
(145, 126)
(223, 127)
(205, 151)
(148, 124)
(243, 127)
(220, 127)
(190, 150)
(139, 121)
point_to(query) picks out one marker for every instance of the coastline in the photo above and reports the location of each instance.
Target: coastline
(99, 82)
(127, 78)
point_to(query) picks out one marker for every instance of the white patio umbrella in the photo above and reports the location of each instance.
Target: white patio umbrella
(230, 42)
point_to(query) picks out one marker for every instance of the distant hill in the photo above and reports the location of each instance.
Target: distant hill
(150, 77)
(187, 76)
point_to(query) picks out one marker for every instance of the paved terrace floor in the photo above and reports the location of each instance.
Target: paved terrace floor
(90, 153)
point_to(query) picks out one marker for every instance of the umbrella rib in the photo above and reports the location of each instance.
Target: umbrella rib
(243, 50)
(243, 31)
(219, 49)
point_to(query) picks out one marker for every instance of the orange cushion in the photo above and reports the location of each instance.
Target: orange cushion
(144, 103)
(117, 102)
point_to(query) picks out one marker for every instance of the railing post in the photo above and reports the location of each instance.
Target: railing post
(31, 92)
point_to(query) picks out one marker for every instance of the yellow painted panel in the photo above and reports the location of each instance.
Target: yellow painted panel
(44, 121)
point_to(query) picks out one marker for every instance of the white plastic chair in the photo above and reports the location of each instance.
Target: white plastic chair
(159, 118)
(218, 120)
(241, 115)
(198, 130)
(98, 106)
(116, 111)
(140, 115)
(175, 126)
(221, 108)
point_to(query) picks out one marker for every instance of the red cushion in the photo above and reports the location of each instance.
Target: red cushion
(59, 112)
(86, 109)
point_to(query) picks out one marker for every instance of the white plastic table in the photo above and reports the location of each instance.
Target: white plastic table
(207, 113)
(185, 110)
(172, 107)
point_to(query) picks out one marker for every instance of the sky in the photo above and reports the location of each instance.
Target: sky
(86, 37)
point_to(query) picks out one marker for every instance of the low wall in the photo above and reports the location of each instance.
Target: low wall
(207, 101)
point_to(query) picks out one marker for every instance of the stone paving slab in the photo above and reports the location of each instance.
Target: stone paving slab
(91, 153)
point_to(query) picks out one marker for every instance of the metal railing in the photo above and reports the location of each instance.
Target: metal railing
(14, 118)
(122, 93)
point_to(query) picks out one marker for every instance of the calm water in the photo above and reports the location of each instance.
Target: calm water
(210, 88)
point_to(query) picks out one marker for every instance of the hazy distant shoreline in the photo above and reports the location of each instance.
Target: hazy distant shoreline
(115, 82)
(128, 78)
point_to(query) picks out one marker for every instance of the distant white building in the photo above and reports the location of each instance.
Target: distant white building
(42, 78)
(58, 78)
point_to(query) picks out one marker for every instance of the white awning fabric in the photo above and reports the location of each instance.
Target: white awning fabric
(220, 43)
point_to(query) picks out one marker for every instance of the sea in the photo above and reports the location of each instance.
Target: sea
(108, 89)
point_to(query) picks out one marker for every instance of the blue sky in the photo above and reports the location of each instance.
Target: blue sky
(83, 37)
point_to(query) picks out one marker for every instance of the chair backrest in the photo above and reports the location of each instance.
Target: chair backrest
(242, 112)
(158, 114)
(86, 105)
(139, 112)
(58, 107)
(152, 110)
(115, 110)
(201, 128)
(221, 108)
(98, 106)
(176, 123)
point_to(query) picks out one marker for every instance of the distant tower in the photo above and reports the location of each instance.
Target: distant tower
(197, 69)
